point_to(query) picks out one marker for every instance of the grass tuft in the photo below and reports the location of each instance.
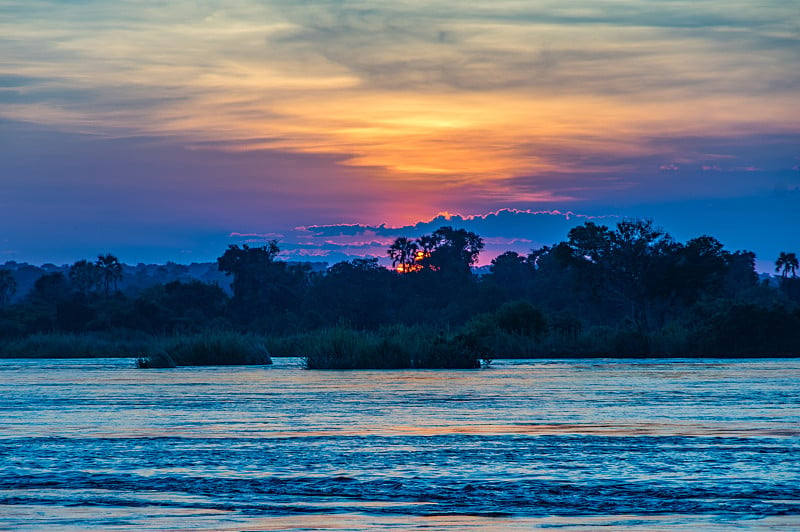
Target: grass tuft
(395, 347)
(208, 349)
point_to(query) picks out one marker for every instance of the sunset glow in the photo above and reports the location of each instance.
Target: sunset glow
(360, 113)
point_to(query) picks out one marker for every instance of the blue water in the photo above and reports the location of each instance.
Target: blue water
(571, 445)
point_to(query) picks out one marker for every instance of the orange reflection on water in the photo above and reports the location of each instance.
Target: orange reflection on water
(640, 429)
(266, 430)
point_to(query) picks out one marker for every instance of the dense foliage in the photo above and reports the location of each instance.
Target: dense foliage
(631, 290)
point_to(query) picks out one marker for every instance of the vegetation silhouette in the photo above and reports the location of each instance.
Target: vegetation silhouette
(403, 253)
(85, 277)
(8, 286)
(110, 271)
(625, 291)
(787, 264)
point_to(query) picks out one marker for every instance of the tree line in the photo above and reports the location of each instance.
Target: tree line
(629, 290)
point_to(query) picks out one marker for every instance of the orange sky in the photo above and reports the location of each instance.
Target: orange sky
(392, 113)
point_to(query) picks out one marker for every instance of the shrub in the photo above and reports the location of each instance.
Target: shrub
(217, 349)
(395, 347)
(207, 349)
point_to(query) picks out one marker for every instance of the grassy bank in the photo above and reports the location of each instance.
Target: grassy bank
(330, 348)
(209, 349)
(66, 345)
(514, 331)
(205, 349)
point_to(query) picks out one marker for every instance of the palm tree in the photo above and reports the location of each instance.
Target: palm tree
(786, 264)
(110, 270)
(403, 252)
(427, 243)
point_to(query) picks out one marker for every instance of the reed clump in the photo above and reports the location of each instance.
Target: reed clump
(395, 347)
(208, 349)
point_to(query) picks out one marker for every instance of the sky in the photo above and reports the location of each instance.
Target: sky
(168, 130)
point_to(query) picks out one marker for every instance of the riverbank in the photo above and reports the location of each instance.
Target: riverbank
(392, 347)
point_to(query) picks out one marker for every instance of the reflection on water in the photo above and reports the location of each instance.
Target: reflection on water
(566, 444)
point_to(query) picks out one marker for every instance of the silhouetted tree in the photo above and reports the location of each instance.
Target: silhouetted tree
(590, 242)
(698, 268)
(358, 292)
(630, 290)
(246, 261)
(787, 264)
(403, 252)
(427, 243)
(8, 286)
(561, 281)
(533, 257)
(249, 268)
(741, 272)
(179, 305)
(50, 288)
(110, 271)
(637, 248)
(625, 265)
(512, 273)
(455, 250)
(261, 284)
(85, 276)
(508, 264)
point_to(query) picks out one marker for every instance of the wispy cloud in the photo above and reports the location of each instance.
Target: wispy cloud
(442, 97)
(257, 116)
(502, 230)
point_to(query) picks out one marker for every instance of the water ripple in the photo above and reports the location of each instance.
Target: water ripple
(97, 444)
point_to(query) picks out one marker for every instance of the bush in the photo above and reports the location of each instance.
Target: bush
(344, 348)
(214, 349)
(394, 347)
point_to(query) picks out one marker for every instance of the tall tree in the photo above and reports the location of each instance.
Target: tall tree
(511, 271)
(455, 250)
(637, 249)
(50, 288)
(247, 265)
(403, 252)
(358, 292)
(263, 286)
(426, 243)
(787, 264)
(590, 241)
(741, 274)
(623, 266)
(110, 271)
(84, 276)
(698, 267)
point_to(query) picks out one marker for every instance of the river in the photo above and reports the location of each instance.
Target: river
(523, 444)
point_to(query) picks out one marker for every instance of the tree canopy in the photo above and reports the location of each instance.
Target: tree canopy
(628, 289)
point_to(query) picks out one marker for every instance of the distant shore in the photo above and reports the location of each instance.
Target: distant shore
(338, 348)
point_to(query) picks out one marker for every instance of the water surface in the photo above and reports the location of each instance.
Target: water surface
(572, 445)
